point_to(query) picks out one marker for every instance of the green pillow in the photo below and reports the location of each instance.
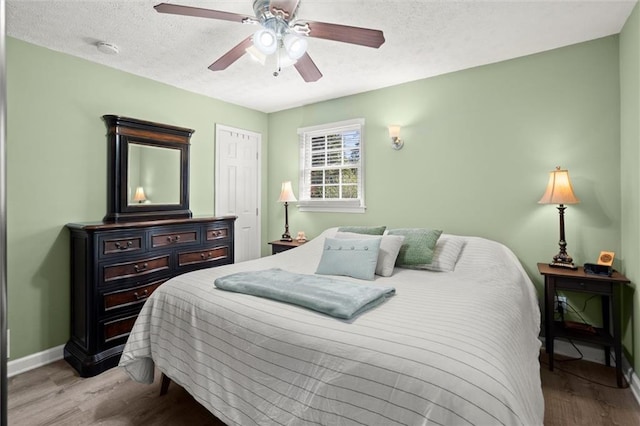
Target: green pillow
(369, 230)
(351, 258)
(418, 246)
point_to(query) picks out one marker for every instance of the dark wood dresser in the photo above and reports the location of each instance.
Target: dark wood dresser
(115, 267)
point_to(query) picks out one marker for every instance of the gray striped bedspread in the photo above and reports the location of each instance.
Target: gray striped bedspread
(457, 348)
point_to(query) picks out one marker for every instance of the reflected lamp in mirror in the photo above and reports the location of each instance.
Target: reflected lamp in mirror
(286, 196)
(394, 134)
(139, 196)
(560, 191)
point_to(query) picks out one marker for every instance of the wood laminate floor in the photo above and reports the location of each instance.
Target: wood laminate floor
(55, 395)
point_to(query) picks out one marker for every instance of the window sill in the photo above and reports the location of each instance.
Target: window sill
(328, 208)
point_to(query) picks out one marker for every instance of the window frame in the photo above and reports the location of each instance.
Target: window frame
(341, 205)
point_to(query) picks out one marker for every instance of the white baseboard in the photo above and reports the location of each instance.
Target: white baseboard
(632, 378)
(36, 360)
(596, 354)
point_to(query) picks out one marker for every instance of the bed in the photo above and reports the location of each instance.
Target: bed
(448, 348)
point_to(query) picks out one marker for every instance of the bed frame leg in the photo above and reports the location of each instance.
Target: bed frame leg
(164, 384)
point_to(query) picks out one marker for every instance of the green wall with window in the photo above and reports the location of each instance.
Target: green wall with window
(479, 145)
(57, 170)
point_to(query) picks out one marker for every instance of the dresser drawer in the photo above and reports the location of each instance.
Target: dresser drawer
(119, 244)
(141, 267)
(129, 297)
(118, 329)
(165, 239)
(115, 268)
(600, 287)
(214, 234)
(202, 256)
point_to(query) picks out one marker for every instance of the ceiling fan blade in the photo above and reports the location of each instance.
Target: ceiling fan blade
(354, 35)
(308, 69)
(176, 9)
(288, 6)
(231, 56)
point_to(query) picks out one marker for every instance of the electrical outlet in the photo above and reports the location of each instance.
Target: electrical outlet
(560, 301)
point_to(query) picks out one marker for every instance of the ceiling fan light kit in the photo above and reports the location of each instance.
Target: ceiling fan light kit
(296, 46)
(265, 40)
(280, 34)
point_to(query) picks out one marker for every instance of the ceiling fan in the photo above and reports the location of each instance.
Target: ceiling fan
(280, 33)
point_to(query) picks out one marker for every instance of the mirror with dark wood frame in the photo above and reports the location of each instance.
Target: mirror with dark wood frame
(147, 171)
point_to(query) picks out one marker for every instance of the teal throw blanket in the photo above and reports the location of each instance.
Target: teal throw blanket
(335, 297)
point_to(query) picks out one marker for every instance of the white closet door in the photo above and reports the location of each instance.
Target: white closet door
(237, 186)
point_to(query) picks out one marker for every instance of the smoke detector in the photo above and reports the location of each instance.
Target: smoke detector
(107, 48)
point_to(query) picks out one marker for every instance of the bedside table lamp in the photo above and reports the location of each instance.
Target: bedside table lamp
(286, 195)
(559, 191)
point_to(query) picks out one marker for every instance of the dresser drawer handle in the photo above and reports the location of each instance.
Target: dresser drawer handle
(173, 239)
(216, 233)
(144, 294)
(205, 256)
(139, 268)
(123, 246)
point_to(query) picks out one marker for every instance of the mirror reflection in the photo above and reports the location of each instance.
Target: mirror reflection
(154, 175)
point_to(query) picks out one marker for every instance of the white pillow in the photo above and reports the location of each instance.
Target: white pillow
(446, 254)
(389, 249)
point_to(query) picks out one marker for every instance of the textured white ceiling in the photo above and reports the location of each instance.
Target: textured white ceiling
(423, 39)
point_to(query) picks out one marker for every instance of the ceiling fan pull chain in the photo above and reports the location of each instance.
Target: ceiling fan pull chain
(278, 67)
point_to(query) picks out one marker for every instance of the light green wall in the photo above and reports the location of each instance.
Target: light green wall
(56, 153)
(630, 176)
(479, 144)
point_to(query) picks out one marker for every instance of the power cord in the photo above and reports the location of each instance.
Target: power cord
(579, 312)
(584, 306)
(578, 375)
(560, 307)
(571, 359)
(561, 312)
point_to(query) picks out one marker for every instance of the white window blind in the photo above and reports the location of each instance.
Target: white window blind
(331, 171)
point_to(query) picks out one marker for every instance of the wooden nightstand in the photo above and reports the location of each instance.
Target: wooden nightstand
(278, 246)
(608, 288)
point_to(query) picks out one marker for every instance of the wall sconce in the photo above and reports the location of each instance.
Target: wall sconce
(139, 195)
(394, 134)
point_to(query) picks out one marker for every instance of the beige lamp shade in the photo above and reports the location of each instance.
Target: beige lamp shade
(139, 195)
(286, 193)
(559, 189)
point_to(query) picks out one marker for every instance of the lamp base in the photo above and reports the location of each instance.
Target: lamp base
(566, 265)
(562, 259)
(286, 237)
